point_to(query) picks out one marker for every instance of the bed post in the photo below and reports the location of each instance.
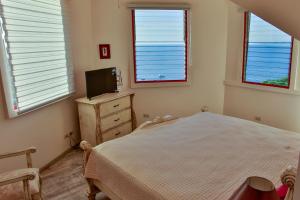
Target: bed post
(288, 178)
(87, 148)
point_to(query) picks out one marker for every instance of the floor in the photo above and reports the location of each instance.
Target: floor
(64, 181)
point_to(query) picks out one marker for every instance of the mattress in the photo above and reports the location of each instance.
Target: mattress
(202, 157)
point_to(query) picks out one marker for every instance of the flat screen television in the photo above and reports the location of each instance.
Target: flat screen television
(101, 81)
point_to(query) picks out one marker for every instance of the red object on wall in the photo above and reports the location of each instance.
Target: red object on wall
(104, 50)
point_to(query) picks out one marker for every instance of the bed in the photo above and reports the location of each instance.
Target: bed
(202, 157)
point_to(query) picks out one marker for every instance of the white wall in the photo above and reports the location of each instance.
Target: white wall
(45, 129)
(274, 108)
(111, 23)
(83, 50)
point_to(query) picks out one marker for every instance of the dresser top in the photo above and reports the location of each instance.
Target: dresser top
(104, 98)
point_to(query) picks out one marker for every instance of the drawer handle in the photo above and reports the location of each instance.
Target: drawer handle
(116, 120)
(117, 105)
(118, 133)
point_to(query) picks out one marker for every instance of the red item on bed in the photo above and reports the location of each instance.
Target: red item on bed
(282, 191)
(255, 188)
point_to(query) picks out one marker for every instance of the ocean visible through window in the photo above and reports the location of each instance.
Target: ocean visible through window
(268, 52)
(160, 45)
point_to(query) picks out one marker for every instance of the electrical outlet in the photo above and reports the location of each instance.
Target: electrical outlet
(68, 135)
(146, 115)
(204, 109)
(257, 118)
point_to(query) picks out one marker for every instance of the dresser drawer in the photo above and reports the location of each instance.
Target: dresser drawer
(114, 106)
(117, 132)
(115, 120)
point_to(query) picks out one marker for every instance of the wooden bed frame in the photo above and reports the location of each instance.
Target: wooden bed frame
(288, 176)
(95, 186)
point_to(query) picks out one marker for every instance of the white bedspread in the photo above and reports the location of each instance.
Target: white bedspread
(202, 157)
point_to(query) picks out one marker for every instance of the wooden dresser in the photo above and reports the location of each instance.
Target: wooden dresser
(106, 117)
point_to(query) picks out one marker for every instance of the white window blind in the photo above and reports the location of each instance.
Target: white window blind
(160, 45)
(37, 69)
(268, 53)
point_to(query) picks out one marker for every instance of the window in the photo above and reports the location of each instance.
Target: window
(160, 45)
(36, 68)
(267, 53)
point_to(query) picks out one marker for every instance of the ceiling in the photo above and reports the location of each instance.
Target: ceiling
(284, 14)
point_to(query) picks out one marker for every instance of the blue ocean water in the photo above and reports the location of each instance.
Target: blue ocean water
(268, 61)
(265, 61)
(160, 61)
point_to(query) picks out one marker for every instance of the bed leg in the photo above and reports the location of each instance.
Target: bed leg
(288, 178)
(87, 149)
(92, 196)
(92, 190)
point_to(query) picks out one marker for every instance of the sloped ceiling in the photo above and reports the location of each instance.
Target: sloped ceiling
(284, 14)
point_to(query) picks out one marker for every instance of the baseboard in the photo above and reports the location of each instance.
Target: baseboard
(57, 158)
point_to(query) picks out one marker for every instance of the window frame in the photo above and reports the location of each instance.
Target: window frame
(187, 46)
(245, 53)
(6, 77)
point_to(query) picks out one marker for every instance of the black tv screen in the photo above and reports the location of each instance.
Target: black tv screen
(101, 81)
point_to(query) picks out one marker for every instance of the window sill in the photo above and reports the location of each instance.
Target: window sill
(13, 115)
(262, 88)
(160, 84)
